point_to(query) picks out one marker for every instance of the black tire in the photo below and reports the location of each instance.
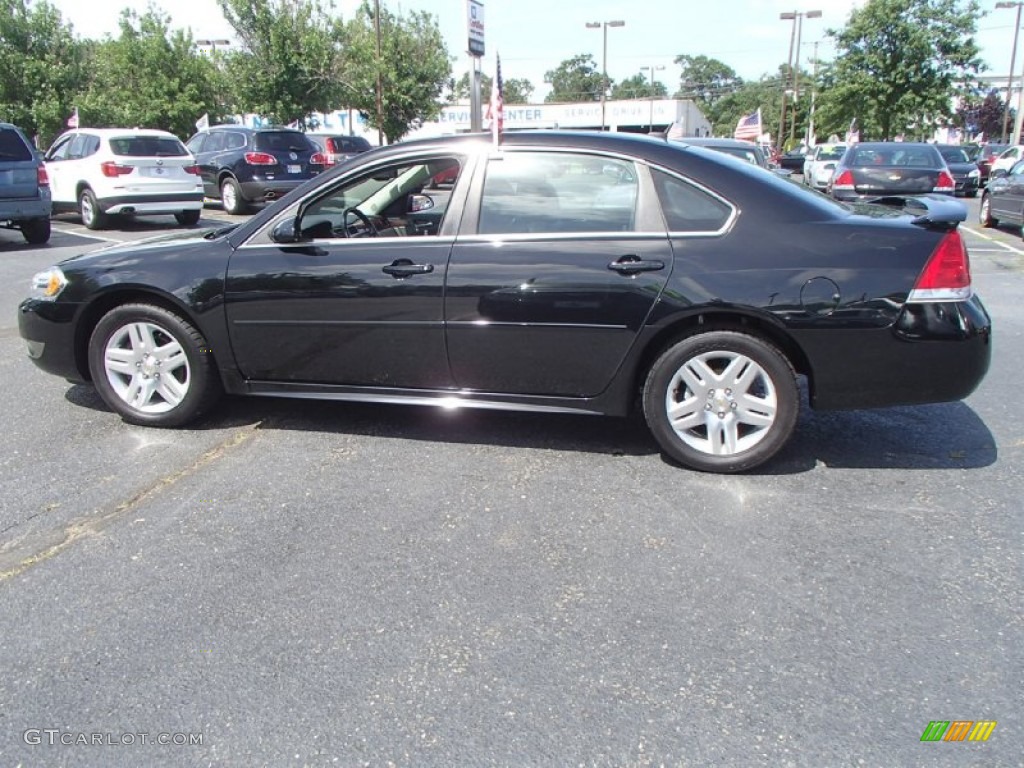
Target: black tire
(973, 193)
(92, 216)
(231, 197)
(730, 431)
(985, 212)
(152, 366)
(188, 218)
(36, 231)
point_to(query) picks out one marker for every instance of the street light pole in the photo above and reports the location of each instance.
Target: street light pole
(1013, 62)
(652, 68)
(603, 25)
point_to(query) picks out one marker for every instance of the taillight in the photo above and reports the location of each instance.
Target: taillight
(42, 177)
(331, 147)
(844, 180)
(945, 183)
(260, 158)
(947, 275)
(318, 158)
(112, 170)
(193, 169)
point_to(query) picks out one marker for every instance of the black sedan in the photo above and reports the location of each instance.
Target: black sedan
(966, 175)
(1003, 199)
(878, 169)
(559, 272)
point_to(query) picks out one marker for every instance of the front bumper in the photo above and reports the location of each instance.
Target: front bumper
(48, 328)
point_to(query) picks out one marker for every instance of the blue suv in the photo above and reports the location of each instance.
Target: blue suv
(240, 166)
(24, 187)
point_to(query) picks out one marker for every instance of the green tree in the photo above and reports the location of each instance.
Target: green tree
(899, 64)
(639, 87)
(575, 79)
(764, 94)
(515, 90)
(150, 77)
(41, 68)
(705, 80)
(414, 68)
(290, 61)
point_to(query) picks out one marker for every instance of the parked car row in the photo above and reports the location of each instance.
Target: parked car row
(103, 173)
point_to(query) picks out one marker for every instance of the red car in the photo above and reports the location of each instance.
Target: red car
(987, 154)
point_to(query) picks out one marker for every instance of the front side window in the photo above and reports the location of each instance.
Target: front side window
(398, 200)
(555, 192)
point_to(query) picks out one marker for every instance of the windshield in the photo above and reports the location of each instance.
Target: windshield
(954, 155)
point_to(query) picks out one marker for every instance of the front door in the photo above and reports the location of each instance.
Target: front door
(358, 300)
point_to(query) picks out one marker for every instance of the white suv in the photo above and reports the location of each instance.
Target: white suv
(100, 172)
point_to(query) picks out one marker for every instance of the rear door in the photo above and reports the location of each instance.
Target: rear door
(559, 261)
(1007, 195)
(19, 179)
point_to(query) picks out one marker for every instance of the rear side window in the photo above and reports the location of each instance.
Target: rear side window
(147, 146)
(282, 141)
(688, 208)
(352, 143)
(12, 146)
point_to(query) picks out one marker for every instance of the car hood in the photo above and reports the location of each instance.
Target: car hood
(153, 246)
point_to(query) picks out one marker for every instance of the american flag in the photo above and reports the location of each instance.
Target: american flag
(749, 127)
(496, 110)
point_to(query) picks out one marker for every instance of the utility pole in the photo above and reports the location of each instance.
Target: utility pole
(380, 82)
(789, 71)
(1013, 63)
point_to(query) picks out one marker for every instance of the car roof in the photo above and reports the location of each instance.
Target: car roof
(123, 132)
(708, 141)
(250, 129)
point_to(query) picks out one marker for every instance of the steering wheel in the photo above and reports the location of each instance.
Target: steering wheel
(352, 230)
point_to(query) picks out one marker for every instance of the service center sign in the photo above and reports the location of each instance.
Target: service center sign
(475, 18)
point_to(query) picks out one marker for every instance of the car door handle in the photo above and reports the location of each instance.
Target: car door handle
(632, 265)
(405, 268)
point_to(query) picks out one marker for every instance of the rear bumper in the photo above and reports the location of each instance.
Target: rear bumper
(934, 353)
(168, 203)
(27, 208)
(268, 190)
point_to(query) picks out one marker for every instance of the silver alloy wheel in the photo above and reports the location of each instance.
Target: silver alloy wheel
(147, 368)
(228, 197)
(985, 210)
(721, 403)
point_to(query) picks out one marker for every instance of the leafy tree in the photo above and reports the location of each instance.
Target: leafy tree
(515, 90)
(899, 63)
(150, 77)
(765, 94)
(985, 116)
(576, 79)
(290, 63)
(639, 87)
(705, 80)
(414, 68)
(41, 68)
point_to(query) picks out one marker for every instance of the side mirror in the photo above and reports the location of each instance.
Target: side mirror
(285, 231)
(420, 203)
(999, 173)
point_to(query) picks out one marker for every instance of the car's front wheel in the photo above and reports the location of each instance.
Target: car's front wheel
(152, 366)
(985, 212)
(721, 401)
(36, 231)
(92, 216)
(188, 218)
(231, 197)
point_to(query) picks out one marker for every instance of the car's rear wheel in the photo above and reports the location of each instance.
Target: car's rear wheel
(721, 401)
(152, 367)
(231, 197)
(188, 218)
(36, 231)
(985, 212)
(92, 216)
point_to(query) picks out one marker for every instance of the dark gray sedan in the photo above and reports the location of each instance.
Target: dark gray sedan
(890, 169)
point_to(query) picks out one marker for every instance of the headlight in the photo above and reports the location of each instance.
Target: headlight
(973, 174)
(48, 284)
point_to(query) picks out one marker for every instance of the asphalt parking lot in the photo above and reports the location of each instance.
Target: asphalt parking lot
(312, 584)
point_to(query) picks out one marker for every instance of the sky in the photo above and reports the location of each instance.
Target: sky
(534, 36)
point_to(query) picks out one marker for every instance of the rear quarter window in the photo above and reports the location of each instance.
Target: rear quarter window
(688, 208)
(147, 146)
(12, 146)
